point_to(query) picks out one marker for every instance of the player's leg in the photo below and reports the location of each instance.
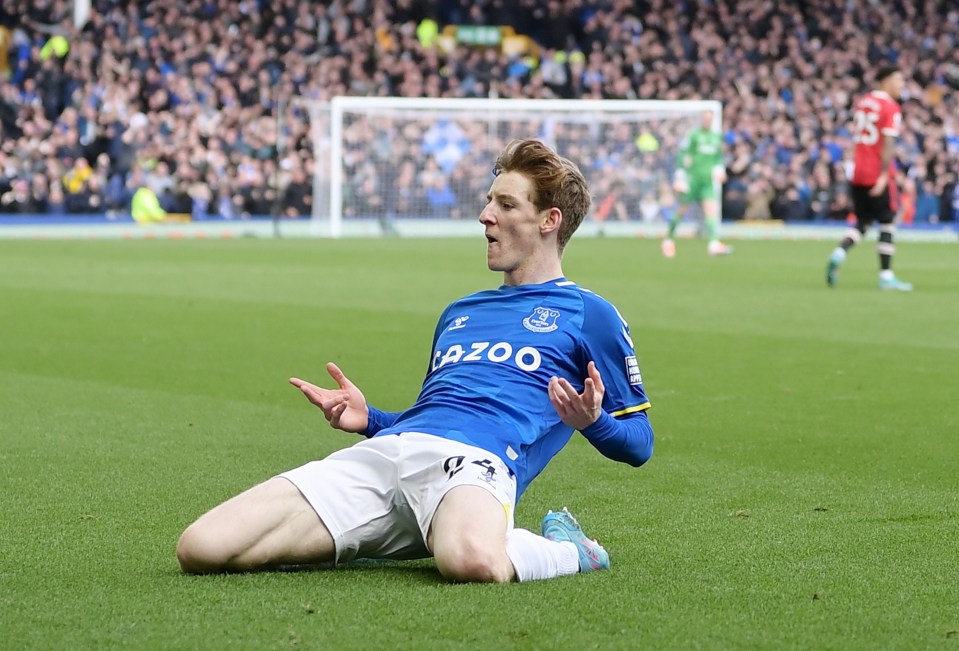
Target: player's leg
(886, 246)
(468, 536)
(668, 244)
(266, 526)
(887, 249)
(334, 509)
(711, 222)
(472, 541)
(706, 191)
(463, 499)
(471, 532)
(681, 188)
(851, 238)
(562, 526)
(862, 207)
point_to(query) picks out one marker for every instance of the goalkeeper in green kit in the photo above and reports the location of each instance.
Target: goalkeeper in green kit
(699, 176)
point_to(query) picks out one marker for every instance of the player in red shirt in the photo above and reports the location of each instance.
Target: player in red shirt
(874, 196)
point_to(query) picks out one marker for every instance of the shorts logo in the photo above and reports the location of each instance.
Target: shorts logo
(543, 319)
(632, 370)
(459, 322)
(489, 476)
(453, 465)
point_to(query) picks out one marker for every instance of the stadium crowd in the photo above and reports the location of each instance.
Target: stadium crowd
(182, 96)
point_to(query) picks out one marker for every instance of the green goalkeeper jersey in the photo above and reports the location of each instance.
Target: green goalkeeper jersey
(702, 152)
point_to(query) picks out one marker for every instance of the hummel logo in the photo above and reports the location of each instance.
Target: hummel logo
(459, 322)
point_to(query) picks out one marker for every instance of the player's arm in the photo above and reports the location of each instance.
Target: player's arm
(890, 132)
(619, 427)
(888, 151)
(686, 148)
(628, 439)
(719, 165)
(378, 420)
(683, 163)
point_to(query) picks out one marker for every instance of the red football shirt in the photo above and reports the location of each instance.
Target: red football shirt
(876, 115)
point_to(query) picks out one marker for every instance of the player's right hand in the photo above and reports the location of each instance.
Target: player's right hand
(344, 407)
(880, 185)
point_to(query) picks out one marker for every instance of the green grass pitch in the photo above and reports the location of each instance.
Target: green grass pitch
(804, 492)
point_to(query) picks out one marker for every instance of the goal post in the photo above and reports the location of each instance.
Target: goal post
(423, 165)
(319, 123)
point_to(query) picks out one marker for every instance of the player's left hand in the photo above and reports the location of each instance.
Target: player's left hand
(578, 410)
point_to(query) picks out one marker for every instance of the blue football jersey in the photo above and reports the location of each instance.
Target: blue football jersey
(494, 353)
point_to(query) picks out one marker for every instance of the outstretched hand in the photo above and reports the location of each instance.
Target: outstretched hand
(578, 410)
(344, 407)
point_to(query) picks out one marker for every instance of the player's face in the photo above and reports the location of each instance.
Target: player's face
(513, 235)
(895, 84)
(707, 120)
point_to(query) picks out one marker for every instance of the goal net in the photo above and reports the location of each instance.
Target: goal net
(421, 165)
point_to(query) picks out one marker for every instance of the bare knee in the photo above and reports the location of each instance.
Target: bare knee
(268, 525)
(199, 553)
(468, 537)
(465, 561)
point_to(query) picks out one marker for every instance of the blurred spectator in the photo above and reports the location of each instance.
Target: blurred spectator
(610, 193)
(649, 208)
(18, 199)
(76, 179)
(789, 205)
(145, 207)
(952, 189)
(298, 198)
(907, 212)
(759, 198)
(200, 201)
(6, 39)
(668, 201)
(821, 192)
(56, 201)
(927, 204)
(439, 194)
(406, 190)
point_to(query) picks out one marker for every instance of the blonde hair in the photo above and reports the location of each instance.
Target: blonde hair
(556, 181)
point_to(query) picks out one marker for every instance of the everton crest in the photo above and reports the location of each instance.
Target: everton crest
(543, 319)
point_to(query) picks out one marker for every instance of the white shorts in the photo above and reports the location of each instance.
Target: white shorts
(377, 498)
